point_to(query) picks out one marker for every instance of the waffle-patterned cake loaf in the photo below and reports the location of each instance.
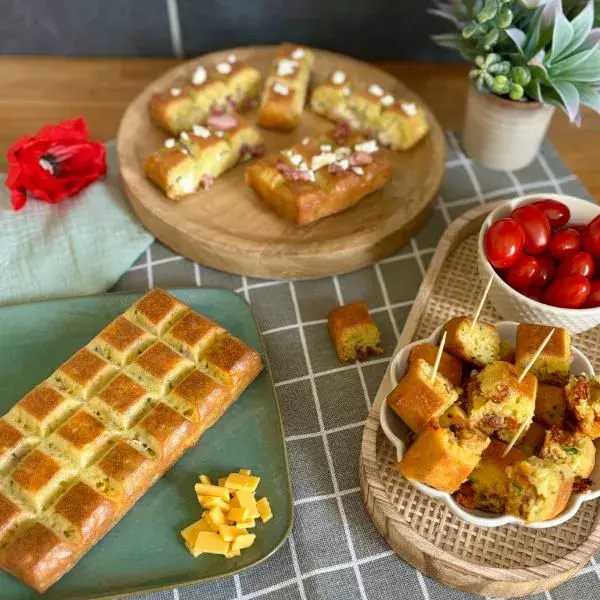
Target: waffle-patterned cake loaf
(230, 83)
(197, 157)
(397, 123)
(79, 449)
(286, 88)
(320, 176)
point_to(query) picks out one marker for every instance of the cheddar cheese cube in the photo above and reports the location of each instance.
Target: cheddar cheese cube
(230, 532)
(209, 502)
(246, 500)
(249, 524)
(243, 541)
(202, 489)
(211, 543)
(245, 471)
(215, 518)
(264, 509)
(238, 481)
(205, 480)
(237, 515)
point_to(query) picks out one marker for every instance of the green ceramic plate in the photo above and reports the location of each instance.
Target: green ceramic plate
(144, 551)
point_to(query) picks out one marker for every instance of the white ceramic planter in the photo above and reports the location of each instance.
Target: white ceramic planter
(502, 134)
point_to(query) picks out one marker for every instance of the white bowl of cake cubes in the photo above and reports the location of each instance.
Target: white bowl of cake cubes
(543, 256)
(497, 434)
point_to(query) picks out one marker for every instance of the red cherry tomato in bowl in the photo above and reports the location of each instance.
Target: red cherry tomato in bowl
(557, 213)
(568, 292)
(523, 273)
(593, 300)
(564, 243)
(580, 263)
(547, 269)
(536, 227)
(504, 242)
(591, 237)
(534, 292)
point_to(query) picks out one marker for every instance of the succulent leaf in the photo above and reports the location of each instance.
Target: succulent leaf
(518, 37)
(488, 12)
(589, 96)
(569, 97)
(582, 26)
(562, 36)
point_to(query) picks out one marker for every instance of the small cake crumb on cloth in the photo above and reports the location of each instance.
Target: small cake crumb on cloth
(355, 335)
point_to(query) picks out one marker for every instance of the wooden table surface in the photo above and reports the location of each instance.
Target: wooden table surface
(40, 90)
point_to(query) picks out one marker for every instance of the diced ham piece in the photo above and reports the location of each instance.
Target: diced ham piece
(292, 173)
(207, 182)
(358, 159)
(222, 122)
(336, 168)
(247, 151)
(341, 133)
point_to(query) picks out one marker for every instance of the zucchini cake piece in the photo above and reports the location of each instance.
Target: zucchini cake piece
(230, 84)
(570, 448)
(487, 485)
(198, 157)
(538, 489)
(583, 399)
(550, 405)
(416, 400)
(444, 457)
(479, 346)
(531, 441)
(286, 88)
(498, 403)
(321, 176)
(554, 363)
(396, 122)
(450, 366)
(81, 448)
(355, 335)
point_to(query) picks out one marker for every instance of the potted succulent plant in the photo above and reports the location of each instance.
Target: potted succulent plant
(530, 57)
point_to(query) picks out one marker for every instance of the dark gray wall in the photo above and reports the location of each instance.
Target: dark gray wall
(369, 29)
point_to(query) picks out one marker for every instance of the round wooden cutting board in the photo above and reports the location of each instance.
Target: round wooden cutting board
(229, 228)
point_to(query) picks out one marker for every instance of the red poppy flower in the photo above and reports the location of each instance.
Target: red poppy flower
(57, 162)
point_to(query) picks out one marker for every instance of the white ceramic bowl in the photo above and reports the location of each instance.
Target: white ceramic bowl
(397, 432)
(514, 306)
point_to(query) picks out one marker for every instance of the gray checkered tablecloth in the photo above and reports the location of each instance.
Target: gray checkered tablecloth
(334, 551)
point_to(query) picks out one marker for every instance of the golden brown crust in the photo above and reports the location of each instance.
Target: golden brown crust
(450, 366)
(457, 328)
(433, 461)
(416, 400)
(93, 466)
(304, 202)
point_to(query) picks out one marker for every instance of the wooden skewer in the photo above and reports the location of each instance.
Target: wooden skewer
(525, 424)
(521, 377)
(438, 358)
(535, 356)
(481, 303)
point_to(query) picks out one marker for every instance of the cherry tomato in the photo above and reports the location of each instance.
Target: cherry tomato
(523, 273)
(504, 242)
(536, 227)
(557, 213)
(568, 292)
(534, 292)
(547, 269)
(591, 237)
(565, 242)
(593, 299)
(581, 263)
(578, 228)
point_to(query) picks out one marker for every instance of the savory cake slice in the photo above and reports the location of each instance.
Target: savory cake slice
(538, 489)
(199, 397)
(229, 84)
(199, 156)
(487, 485)
(450, 366)
(355, 335)
(442, 457)
(15, 442)
(550, 405)
(583, 398)
(320, 177)
(498, 403)
(286, 88)
(479, 346)
(554, 363)
(156, 311)
(416, 399)
(396, 122)
(531, 441)
(121, 341)
(570, 448)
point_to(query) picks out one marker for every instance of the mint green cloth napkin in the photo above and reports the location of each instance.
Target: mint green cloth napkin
(80, 246)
